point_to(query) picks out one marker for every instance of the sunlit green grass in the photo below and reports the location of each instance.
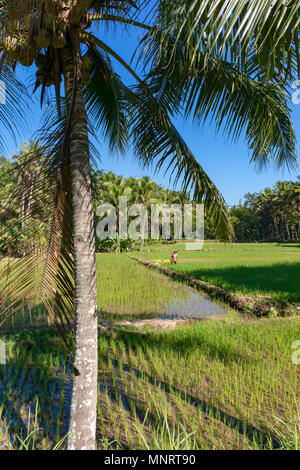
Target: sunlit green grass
(127, 290)
(221, 384)
(250, 269)
(227, 384)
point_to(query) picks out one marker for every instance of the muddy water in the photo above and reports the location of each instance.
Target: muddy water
(193, 305)
(185, 304)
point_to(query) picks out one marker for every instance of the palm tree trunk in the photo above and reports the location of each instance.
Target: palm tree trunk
(82, 427)
(287, 229)
(276, 227)
(22, 211)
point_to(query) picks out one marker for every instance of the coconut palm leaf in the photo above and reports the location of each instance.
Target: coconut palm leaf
(156, 140)
(210, 29)
(236, 30)
(181, 76)
(103, 100)
(13, 102)
(45, 274)
(229, 98)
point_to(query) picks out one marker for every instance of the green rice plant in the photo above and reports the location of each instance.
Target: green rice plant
(251, 269)
(167, 437)
(204, 385)
(288, 435)
(28, 443)
(106, 444)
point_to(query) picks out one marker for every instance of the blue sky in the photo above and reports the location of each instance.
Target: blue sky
(227, 164)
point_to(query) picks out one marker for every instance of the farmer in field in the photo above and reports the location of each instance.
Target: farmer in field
(174, 257)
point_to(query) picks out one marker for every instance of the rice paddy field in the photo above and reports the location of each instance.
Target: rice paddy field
(214, 380)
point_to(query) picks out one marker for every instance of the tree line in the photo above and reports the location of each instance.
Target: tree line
(107, 188)
(273, 215)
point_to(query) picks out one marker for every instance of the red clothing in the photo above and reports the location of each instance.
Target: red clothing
(174, 258)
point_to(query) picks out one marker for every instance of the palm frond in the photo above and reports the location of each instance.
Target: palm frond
(14, 100)
(156, 140)
(237, 29)
(228, 97)
(45, 274)
(103, 100)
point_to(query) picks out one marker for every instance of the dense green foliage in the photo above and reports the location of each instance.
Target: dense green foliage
(271, 215)
(211, 385)
(107, 188)
(22, 171)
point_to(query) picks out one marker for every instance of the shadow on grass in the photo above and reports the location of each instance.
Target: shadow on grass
(283, 279)
(30, 399)
(184, 343)
(23, 381)
(260, 437)
(30, 384)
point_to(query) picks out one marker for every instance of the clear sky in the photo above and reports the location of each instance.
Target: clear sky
(227, 164)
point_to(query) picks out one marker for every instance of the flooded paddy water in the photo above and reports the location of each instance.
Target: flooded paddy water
(35, 396)
(144, 294)
(192, 306)
(185, 305)
(129, 292)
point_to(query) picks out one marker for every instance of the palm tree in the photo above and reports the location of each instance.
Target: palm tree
(284, 192)
(145, 192)
(295, 200)
(57, 38)
(113, 189)
(13, 102)
(265, 206)
(7, 184)
(29, 164)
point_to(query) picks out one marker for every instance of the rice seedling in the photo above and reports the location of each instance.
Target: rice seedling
(252, 269)
(225, 383)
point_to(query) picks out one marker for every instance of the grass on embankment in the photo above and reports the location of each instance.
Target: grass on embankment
(249, 269)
